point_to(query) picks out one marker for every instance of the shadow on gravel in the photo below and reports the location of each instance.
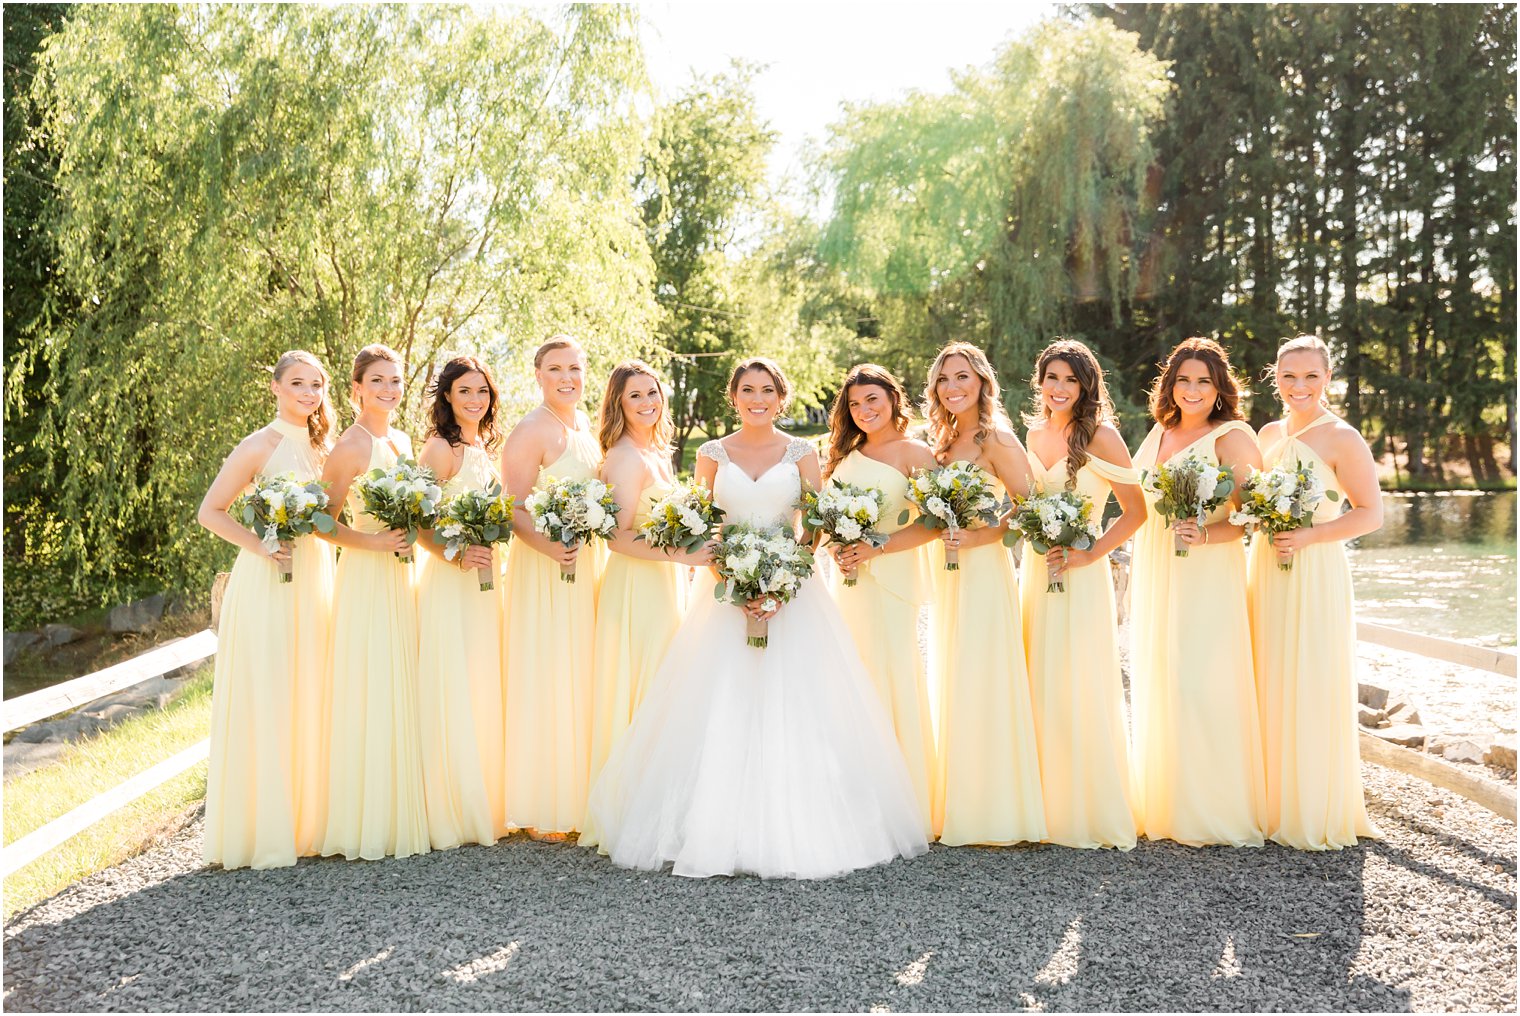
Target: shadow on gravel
(526, 925)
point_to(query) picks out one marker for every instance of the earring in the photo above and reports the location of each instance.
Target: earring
(1219, 402)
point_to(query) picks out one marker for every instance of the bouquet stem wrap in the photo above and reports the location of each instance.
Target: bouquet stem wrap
(487, 580)
(567, 571)
(287, 566)
(1179, 549)
(755, 629)
(952, 554)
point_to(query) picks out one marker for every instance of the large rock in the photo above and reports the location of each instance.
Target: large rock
(18, 642)
(1369, 718)
(1461, 751)
(1372, 696)
(139, 615)
(1410, 735)
(1403, 712)
(56, 635)
(1501, 754)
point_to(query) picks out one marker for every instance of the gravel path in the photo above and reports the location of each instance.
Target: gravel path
(1423, 920)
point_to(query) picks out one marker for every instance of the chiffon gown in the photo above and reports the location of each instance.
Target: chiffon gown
(637, 613)
(1303, 633)
(460, 690)
(881, 611)
(266, 791)
(1078, 689)
(547, 635)
(375, 805)
(989, 782)
(1198, 765)
(779, 762)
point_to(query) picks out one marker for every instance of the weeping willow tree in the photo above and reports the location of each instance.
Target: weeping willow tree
(1004, 211)
(234, 180)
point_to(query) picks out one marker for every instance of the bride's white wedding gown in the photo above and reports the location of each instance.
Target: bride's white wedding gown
(779, 762)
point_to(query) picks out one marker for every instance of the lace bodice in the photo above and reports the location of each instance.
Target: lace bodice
(765, 500)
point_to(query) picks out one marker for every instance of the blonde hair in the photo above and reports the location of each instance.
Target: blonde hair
(366, 356)
(989, 406)
(614, 422)
(553, 342)
(319, 423)
(1298, 344)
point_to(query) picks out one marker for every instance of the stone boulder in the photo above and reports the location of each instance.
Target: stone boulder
(18, 642)
(1501, 754)
(1410, 735)
(1400, 711)
(139, 615)
(55, 635)
(1372, 696)
(1460, 751)
(1370, 718)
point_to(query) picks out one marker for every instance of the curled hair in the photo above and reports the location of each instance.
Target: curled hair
(844, 435)
(943, 427)
(1298, 344)
(614, 422)
(1092, 409)
(554, 342)
(1211, 354)
(765, 363)
(319, 423)
(366, 356)
(441, 420)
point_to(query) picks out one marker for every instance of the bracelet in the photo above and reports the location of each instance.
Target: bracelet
(1205, 531)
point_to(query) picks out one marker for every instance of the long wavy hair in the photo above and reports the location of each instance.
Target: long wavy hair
(614, 422)
(1093, 406)
(441, 419)
(1211, 354)
(366, 356)
(989, 407)
(319, 423)
(844, 435)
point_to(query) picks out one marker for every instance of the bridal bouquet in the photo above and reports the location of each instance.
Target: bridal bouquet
(281, 508)
(1280, 500)
(1063, 519)
(571, 512)
(405, 496)
(478, 518)
(846, 514)
(755, 562)
(957, 496)
(684, 519)
(1188, 489)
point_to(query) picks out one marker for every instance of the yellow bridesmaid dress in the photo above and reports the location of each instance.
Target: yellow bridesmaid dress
(1078, 689)
(375, 802)
(546, 657)
(266, 791)
(1197, 757)
(460, 690)
(1303, 635)
(989, 788)
(640, 606)
(882, 611)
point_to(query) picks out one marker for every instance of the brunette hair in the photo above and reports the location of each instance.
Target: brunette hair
(1093, 406)
(319, 423)
(844, 435)
(614, 423)
(1298, 344)
(1211, 354)
(366, 356)
(765, 363)
(553, 342)
(441, 420)
(989, 406)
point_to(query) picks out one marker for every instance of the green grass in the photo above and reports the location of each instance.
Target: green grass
(91, 767)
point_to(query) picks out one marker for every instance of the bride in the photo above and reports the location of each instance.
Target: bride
(779, 762)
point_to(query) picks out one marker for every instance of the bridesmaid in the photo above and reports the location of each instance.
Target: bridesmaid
(1072, 637)
(1198, 776)
(644, 590)
(266, 789)
(989, 787)
(1303, 622)
(869, 447)
(375, 804)
(459, 668)
(549, 624)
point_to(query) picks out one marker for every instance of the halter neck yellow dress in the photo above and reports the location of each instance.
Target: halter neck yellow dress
(1078, 689)
(882, 611)
(1303, 635)
(990, 788)
(1198, 764)
(641, 605)
(266, 789)
(375, 804)
(547, 637)
(459, 689)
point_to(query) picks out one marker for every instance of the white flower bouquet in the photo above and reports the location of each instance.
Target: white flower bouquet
(405, 496)
(684, 519)
(957, 496)
(846, 514)
(474, 518)
(1280, 500)
(1062, 519)
(1188, 489)
(280, 508)
(754, 562)
(571, 512)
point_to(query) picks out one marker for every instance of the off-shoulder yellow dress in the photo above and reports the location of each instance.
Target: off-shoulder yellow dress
(375, 798)
(459, 689)
(266, 791)
(546, 657)
(1197, 758)
(882, 611)
(1078, 689)
(1303, 636)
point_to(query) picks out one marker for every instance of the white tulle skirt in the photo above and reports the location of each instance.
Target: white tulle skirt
(778, 762)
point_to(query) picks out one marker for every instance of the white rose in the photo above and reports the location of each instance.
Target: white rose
(1283, 506)
(849, 531)
(596, 515)
(938, 508)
